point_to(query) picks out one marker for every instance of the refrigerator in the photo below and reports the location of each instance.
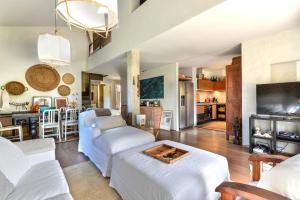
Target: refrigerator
(186, 104)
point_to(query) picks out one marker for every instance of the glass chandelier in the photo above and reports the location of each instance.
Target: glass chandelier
(54, 49)
(99, 16)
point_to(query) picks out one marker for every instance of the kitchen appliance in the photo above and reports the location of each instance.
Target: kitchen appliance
(186, 104)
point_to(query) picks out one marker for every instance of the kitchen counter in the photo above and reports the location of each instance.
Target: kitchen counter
(207, 103)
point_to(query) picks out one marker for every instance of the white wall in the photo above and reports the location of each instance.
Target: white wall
(18, 52)
(208, 73)
(187, 71)
(221, 95)
(257, 57)
(147, 21)
(170, 100)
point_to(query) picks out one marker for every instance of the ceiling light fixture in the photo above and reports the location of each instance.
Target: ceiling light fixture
(54, 49)
(99, 16)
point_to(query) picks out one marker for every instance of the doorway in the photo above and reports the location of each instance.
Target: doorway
(97, 94)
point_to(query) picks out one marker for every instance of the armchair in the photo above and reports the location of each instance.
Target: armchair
(231, 190)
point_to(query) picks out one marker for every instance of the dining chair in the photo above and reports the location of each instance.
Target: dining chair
(12, 128)
(50, 123)
(70, 121)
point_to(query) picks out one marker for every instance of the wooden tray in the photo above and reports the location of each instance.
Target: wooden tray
(166, 153)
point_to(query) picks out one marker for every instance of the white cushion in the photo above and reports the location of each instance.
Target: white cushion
(88, 118)
(36, 146)
(42, 181)
(284, 178)
(109, 122)
(13, 162)
(6, 187)
(38, 150)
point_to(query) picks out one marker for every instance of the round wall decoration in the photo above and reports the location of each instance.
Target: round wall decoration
(68, 78)
(64, 90)
(15, 88)
(42, 77)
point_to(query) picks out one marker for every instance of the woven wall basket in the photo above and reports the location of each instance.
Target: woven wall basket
(64, 90)
(42, 77)
(15, 88)
(68, 78)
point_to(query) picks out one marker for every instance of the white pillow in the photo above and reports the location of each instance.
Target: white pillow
(89, 121)
(13, 162)
(284, 178)
(109, 122)
(6, 187)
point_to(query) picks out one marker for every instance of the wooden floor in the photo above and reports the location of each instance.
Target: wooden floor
(214, 125)
(213, 141)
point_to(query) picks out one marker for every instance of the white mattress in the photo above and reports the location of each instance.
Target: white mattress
(137, 176)
(101, 149)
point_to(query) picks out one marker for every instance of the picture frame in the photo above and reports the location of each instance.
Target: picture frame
(42, 101)
(166, 120)
(60, 102)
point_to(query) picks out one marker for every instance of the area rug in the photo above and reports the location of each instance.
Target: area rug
(87, 183)
(216, 126)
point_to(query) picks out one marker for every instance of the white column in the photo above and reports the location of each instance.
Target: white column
(133, 71)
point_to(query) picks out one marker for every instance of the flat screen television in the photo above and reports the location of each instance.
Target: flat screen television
(278, 99)
(152, 88)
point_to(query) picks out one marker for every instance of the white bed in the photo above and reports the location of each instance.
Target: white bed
(101, 146)
(137, 176)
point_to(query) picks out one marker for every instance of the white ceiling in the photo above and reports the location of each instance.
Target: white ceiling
(214, 37)
(211, 38)
(28, 13)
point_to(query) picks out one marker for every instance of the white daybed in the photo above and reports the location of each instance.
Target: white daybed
(28, 170)
(137, 176)
(100, 146)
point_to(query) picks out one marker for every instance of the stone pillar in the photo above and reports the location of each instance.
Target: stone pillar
(133, 71)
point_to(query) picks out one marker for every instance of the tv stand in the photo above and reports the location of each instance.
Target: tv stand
(280, 128)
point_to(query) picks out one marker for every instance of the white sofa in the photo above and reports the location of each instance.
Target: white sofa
(29, 171)
(100, 138)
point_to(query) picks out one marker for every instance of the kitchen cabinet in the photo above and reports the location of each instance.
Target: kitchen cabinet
(214, 112)
(200, 109)
(220, 85)
(152, 114)
(208, 85)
